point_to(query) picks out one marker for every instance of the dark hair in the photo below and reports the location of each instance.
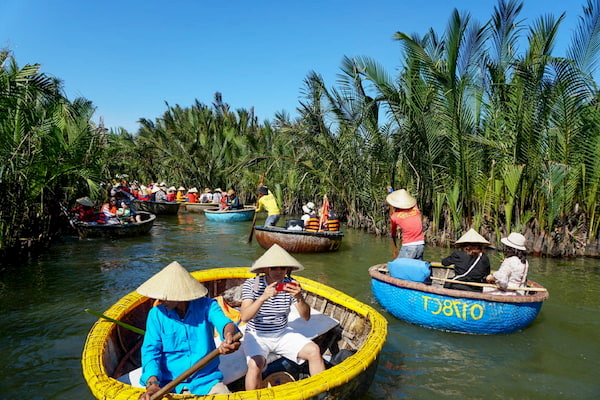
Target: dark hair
(263, 190)
(511, 251)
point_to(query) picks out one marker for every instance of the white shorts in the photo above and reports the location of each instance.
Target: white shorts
(286, 343)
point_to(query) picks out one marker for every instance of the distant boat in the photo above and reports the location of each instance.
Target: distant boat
(95, 230)
(157, 207)
(244, 214)
(345, 329)
(200, 207)
(434, 306)
(298, 241)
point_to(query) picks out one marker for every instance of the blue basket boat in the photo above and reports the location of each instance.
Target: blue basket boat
(245, 214)
(433, 306)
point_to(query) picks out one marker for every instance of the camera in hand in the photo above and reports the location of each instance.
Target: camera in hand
(281, 286)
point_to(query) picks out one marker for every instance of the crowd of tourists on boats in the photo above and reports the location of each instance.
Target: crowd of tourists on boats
(120, 209)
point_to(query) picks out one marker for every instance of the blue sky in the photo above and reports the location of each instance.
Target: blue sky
(129, 57)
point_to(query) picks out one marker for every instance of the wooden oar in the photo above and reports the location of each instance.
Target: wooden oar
(525, 289)
(123, 324)
(186, 374)
(262, 181)
(252, 227)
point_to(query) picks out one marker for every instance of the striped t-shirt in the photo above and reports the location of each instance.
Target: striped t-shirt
(272, 317)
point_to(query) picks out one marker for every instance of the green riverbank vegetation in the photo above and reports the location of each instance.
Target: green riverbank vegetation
(481, 122)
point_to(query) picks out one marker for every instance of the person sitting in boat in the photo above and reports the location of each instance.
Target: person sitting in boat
(160, 194)
(179, 332)
(267, 201)
(233, 202)
(217, 195)
(171, 194)
(144, 193)
(407, 217)
(332, 224)
(313, 222)
(471, 264)
(266, 302)
(206, 196)
(180, 195)
(309, 210)
(223, 202)
(514, 268)
(192, 195)
(124, 213)
(84, 211)
(108, 212)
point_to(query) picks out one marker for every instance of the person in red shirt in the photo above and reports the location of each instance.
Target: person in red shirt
(85, 210)
(192, 195)
(407, 217)
(171, 194)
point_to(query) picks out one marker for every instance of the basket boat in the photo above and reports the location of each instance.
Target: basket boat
(200, 207)
(95, 230)
(245, 214)
(157, 207)
(451, 310)
(298, 241)
(111, 350)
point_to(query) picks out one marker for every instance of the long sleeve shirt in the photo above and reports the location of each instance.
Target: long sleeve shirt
(172, 344)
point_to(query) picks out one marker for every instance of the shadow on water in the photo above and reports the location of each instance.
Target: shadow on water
(44, 326)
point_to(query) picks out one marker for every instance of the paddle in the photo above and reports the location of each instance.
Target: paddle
(262, 181)
(123, 324)
(525, 289)
(186, 374)
(389, 190)
(252, 227)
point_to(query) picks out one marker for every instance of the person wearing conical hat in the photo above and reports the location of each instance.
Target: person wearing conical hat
(217, 195)
(84, 211)
(206, 196)
(179, 332)
(232, 202)
(266, 302)
(180, 195)
(470, 262)
(407, 218)
(514, 268)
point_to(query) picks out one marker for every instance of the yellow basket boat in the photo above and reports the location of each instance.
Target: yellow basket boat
(111, 351)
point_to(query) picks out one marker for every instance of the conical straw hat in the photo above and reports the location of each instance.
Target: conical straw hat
(472, 237)
(401, 199)
(85, 201)
(276, 256)
(173, 283)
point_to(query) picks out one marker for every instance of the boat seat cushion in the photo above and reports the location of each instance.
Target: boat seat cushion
(233, 366)
(409, 269)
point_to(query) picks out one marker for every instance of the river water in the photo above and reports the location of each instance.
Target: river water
(43, 324)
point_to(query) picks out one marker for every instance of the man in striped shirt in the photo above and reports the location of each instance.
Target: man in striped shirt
(266, 302)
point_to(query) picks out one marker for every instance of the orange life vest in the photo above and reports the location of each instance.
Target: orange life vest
(332, 225)
(312, 224)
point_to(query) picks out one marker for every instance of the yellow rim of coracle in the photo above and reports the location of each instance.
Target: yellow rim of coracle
(104, 387)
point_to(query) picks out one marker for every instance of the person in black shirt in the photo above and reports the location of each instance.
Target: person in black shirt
(470, 262)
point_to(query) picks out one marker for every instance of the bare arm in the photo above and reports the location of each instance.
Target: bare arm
(250, 307)
(303, 308)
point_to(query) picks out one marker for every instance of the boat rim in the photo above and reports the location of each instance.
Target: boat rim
(100, 383)
(282, 230)
(374, 272)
